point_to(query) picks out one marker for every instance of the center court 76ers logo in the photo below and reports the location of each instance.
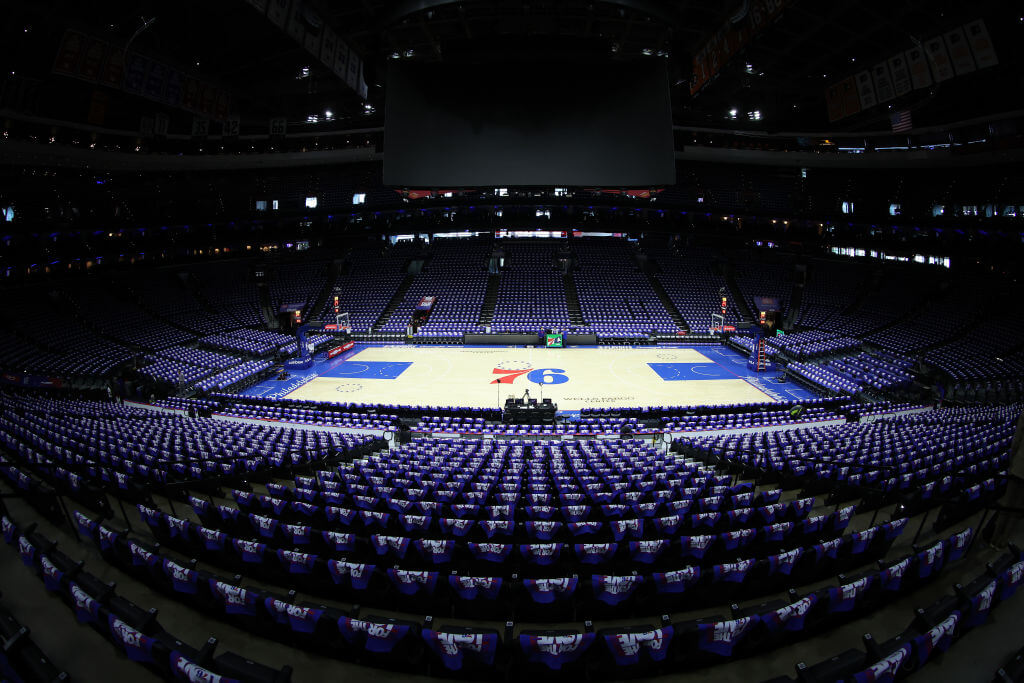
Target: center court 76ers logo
(509, 371)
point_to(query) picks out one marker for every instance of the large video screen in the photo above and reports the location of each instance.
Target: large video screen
(605, 124)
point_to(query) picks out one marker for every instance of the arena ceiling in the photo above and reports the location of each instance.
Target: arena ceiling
(780, 72)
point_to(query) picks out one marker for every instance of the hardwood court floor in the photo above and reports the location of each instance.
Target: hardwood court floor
(574, 378)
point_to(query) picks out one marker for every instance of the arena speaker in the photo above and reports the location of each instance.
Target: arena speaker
(796, 411)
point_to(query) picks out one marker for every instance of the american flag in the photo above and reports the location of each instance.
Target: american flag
(901, 121)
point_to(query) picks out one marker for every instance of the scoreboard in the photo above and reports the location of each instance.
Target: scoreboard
(553, 341)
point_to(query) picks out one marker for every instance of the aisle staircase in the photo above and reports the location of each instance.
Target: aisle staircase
(393, 304)
(670, 307)
(736, 295)
(318, 303)
(796, 300)
(490, 300)
(572, 301)
(266, 309)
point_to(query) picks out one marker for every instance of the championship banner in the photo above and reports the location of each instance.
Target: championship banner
(900, 75)
(981, 44)
(730, 38)
(959, 51)
(866, 90)
(920, 73)
(942, 68)
(883, 82)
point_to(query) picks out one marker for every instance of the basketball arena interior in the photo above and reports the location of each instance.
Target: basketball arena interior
(564, 340)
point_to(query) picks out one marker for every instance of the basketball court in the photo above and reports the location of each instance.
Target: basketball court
(573, 378)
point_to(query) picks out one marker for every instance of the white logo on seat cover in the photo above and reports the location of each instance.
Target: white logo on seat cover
(451, 643)
(559, 644)
(630, 643)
